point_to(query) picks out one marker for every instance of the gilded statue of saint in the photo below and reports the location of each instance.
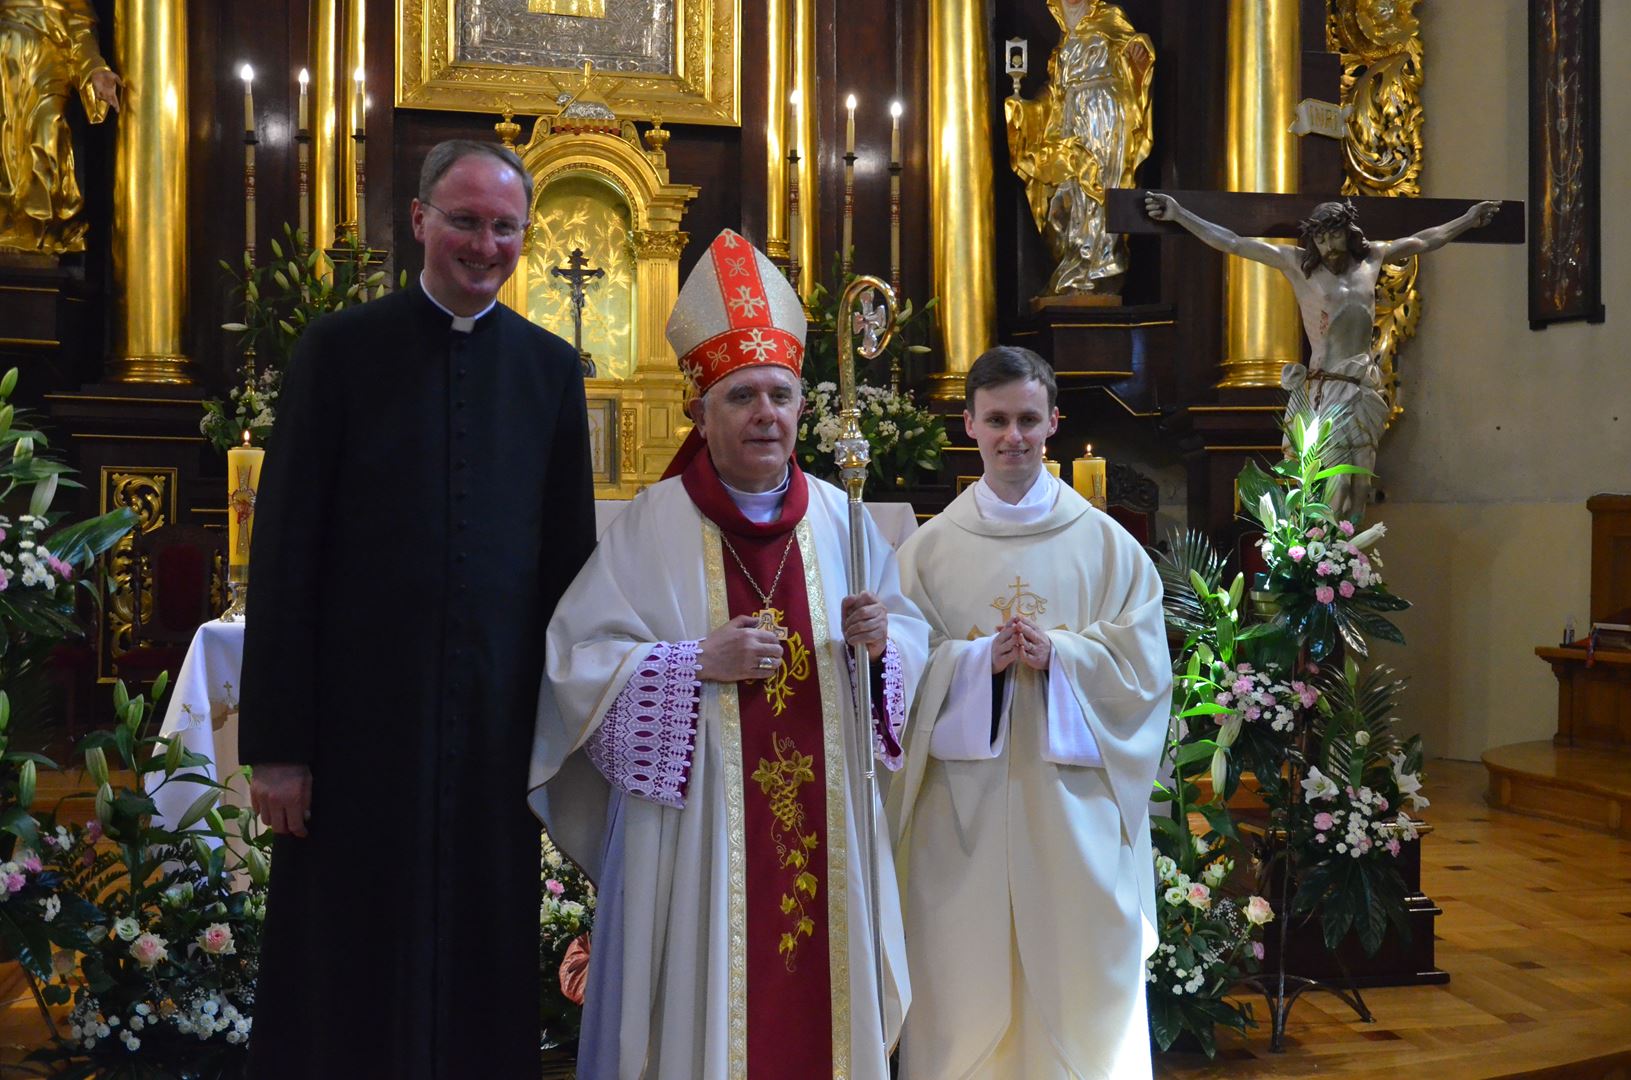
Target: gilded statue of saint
(1089, 131)
(48, 51)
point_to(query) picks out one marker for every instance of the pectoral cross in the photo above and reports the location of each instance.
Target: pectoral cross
(577, 274)
(771, 619)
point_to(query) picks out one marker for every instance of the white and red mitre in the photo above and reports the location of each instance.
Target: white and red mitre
(736, 310)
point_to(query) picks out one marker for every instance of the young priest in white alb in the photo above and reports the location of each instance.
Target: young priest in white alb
(1020, 815)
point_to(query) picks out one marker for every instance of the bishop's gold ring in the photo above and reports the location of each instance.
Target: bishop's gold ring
(767, 663)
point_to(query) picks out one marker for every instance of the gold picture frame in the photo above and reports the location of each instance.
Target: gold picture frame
(701, 86)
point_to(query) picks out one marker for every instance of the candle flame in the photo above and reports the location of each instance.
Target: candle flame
(793, 99)
(895, 109)
(357, 75)
(304, 78)
(246, 73)
(1089, 451)
(849, 103)
(246, 438)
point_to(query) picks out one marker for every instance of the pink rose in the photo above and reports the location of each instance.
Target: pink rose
(1393, 847)
(1325, 594)
(555, 888)
(1325, 568)
(216, 939)
(1347, 527)
(1297, 552)
(13, 883)
(1323, 821)
(1346, 588)
(1316, 533)
(1199, 896)
(1259, 911)
(148, 950)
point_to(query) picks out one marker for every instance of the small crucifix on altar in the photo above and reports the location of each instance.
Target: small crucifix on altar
(577, 274)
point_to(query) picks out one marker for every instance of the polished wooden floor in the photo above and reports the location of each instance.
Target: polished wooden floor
(1536, 936)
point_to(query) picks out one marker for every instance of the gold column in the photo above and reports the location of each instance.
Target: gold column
(150, 193)
(805, 128)
(962, 221)
(1261, 331)
(352, 57)
(778, 83)
(325, 87)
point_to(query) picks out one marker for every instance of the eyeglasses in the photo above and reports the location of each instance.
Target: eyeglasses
(503, 228)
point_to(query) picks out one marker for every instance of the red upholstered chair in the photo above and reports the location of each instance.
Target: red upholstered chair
(1132, 499)
(176, 588)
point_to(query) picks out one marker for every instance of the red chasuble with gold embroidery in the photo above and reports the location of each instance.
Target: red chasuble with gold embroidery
(784, 785)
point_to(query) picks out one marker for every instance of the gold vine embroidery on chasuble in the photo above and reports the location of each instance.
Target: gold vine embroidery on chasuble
(781, 780)
(1019, 600)
(795, 662)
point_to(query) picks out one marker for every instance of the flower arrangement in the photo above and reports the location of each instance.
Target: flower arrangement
(45, 559)
(280, 300)
(903, 436)
(151, 934)
(1348, 829)
(1278, 692)
(565, 920)
(1210, 939)
(1326, 579)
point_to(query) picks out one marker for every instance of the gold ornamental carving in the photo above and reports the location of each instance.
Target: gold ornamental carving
(598, 190)
(1381, 47)
(151, 495)
(677, 59)
(659, 245)
(48, 54)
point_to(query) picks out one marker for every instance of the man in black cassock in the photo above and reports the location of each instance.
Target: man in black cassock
(425, 501)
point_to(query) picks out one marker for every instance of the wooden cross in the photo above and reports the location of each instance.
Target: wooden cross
(577, 274)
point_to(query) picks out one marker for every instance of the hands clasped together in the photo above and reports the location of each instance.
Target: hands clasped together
(740, 651)
(1020, 639)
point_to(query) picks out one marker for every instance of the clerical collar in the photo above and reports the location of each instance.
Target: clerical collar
(760, 507)
(1036, 504)
(462, 323)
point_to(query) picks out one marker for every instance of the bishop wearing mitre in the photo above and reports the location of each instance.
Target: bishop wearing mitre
(697, 746)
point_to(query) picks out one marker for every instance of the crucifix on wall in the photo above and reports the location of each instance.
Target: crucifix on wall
(577, 274)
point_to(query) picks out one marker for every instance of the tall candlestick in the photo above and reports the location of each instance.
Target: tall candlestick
(247, 74)
(894, 196)
(303, 142)
(849, 183)
(1088, 478)
(793, 190)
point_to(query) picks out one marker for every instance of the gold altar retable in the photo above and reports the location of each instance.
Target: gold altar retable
(598, 190)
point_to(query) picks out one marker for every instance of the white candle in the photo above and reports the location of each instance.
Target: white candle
(894, 195)
(849, 183)
(247, 74)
